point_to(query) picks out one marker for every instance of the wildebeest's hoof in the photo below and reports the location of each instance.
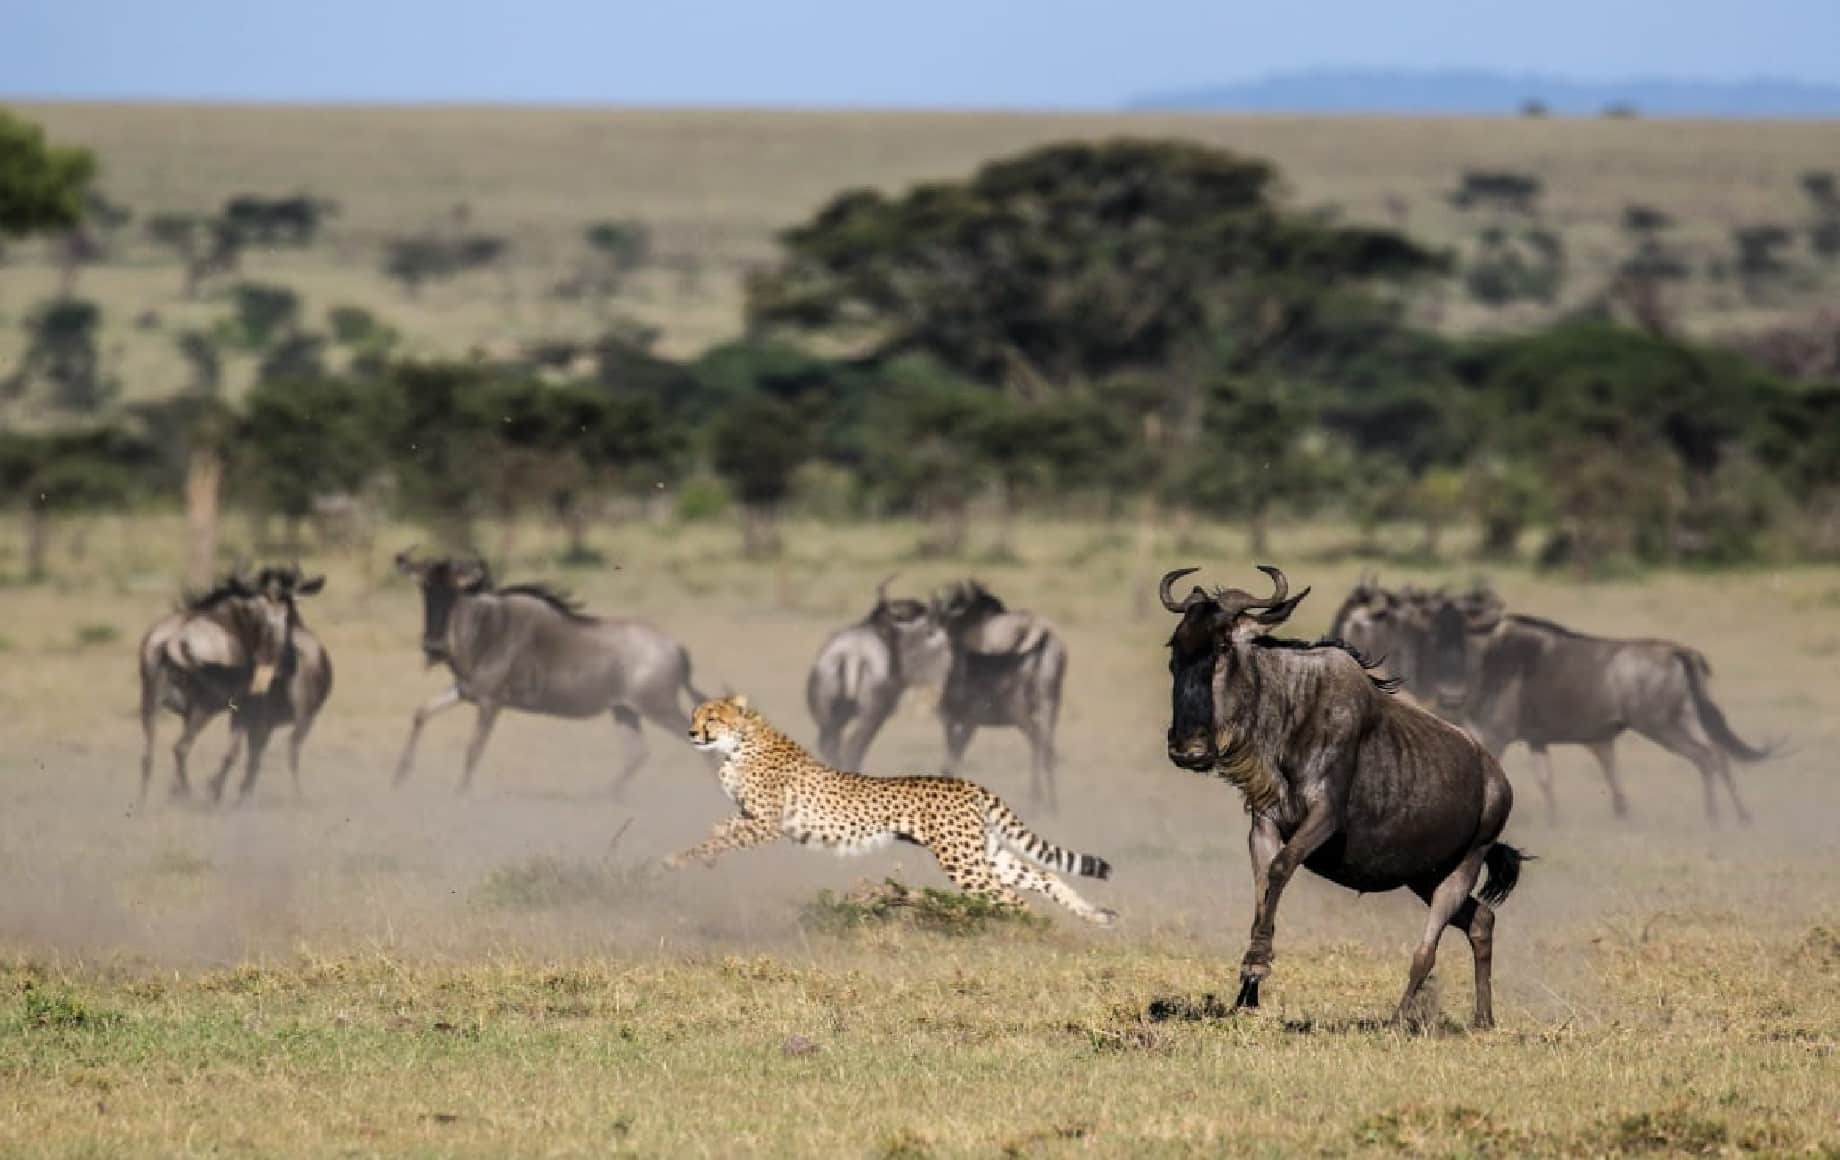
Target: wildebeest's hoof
(1248, 996)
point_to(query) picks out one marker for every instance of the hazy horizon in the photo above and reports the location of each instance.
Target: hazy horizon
(957, 54)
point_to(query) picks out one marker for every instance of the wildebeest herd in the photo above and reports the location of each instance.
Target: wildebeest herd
(1369, 757)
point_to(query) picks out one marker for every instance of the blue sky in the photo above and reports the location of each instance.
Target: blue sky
(953, 53)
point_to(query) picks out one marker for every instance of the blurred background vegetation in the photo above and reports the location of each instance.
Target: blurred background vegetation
(1144, 329)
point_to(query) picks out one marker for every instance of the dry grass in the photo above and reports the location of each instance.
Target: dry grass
(717, 184)
(376, 971)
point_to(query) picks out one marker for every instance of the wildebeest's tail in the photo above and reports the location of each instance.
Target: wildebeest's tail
(1005, 822)
(1503, 862)
(697, 696)
(1710, 715)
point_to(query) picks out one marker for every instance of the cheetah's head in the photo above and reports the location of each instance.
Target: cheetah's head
(722, 723)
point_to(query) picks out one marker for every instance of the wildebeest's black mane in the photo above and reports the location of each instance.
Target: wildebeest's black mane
(229, 588)
(1548, 625)
(555, 597)
(1384, 684)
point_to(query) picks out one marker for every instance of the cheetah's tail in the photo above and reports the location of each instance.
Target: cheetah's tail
(1039, 849)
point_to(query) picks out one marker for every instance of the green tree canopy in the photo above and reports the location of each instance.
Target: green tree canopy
(42, 186)
(1070, 262)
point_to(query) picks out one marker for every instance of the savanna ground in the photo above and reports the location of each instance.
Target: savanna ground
(374, 971)
(715, 185)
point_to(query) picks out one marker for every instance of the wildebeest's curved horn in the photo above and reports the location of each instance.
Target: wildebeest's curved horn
(1162, 590)
(1279, 585)
(405, 559)
(881, 590)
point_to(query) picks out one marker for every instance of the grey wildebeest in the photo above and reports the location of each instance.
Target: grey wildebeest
(861, 672)
(530, 648)
(1339, 777)
(1520, 678)
(241, 647)
(1007, 668)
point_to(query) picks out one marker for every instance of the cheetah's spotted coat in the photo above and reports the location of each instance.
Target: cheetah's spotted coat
(783, 790)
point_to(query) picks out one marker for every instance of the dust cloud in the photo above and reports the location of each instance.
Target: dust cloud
(541, 859)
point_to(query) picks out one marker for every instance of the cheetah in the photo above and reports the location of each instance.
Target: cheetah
(782, 790)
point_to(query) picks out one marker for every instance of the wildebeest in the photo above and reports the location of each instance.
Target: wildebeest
(1391, 628)
(1007, 668)
(1339, 777)
(529, 647)
(1520, 678)
(241, 647)
(861, 672)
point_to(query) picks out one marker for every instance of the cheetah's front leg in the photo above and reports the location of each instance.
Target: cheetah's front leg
(736, 833)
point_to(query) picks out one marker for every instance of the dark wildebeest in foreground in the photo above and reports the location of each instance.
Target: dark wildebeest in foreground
(1339, 777)
(1520, 678)
(240, 647)
(529, 647)
(1007, 669)
(861, 672)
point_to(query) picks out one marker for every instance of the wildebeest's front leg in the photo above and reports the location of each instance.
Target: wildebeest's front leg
(1319, 825)
(737, 833)
(237, 731)
(1263, 841)
(437, 704)
(482, 731)
(258, 743)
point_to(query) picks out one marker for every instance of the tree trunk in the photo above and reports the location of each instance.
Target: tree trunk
(204, 473)
(38, 541)
(1145, 554)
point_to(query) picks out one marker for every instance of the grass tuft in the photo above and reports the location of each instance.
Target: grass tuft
(545, 882)
(62, 1010)
(889, 902)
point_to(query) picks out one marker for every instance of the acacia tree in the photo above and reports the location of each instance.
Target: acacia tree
(1070, 263)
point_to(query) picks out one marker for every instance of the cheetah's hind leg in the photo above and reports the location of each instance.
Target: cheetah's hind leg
(1012, 871)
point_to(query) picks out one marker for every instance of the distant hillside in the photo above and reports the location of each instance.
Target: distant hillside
(1484, 93)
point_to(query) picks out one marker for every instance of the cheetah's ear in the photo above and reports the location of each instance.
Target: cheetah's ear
(741, 701)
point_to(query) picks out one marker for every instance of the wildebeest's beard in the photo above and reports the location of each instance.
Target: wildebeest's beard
(1194, 650)
(1447, 665)
(438, 594)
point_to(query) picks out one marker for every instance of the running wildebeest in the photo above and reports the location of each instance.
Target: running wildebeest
(240, 647)
(1339, 777)
(1391, 628)
(1007, 668)
(529, 647)
(1520, 678)
(861, 672)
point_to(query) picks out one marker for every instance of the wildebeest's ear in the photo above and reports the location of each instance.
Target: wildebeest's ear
(1280, 612)
(406, 564)
(309, 587)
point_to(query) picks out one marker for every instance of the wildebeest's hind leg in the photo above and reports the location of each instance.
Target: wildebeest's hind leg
(196, 718)
(229, 762)
(859, 734)
(1446, 899)
(150, 727)
(632, 746)
(1683, 737)
(1605, 752)
(1042, 790)
(296, 739)
(1542, 772)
